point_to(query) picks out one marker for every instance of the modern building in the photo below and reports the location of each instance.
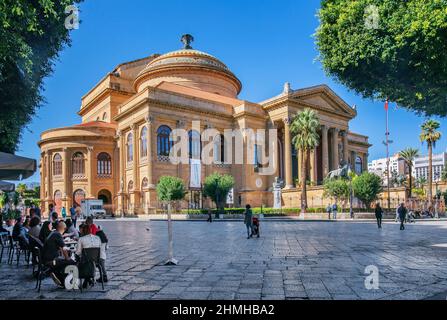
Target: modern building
(121, 148)
(420, 168)
(379, 167)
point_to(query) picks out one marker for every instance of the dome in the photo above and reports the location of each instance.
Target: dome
(191, 68)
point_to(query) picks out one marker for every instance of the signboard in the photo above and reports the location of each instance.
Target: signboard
(195, 173)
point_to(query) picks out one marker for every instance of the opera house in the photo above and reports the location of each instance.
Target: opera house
(121, 147)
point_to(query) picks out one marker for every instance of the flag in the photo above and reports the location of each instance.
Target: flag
(386, 105)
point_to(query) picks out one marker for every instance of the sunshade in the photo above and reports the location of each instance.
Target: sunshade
(6, 186)
(14, 167)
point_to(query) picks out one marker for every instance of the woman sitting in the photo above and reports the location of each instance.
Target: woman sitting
(35, 228)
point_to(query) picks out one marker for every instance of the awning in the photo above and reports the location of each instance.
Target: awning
(6, 186)
(13, 167)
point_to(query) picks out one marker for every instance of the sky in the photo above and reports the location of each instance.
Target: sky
(264, 42)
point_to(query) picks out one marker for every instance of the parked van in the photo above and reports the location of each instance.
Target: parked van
(93, 208)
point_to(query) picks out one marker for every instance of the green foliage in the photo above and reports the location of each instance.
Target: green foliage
(305, 137)
(409, 154)
(429, 133)
(217, 187)
(170, 189)
(367, 187)
(419, 193)
(337, 189)
(32, 33)
(402, 60)
(21, 188)
(3, 199)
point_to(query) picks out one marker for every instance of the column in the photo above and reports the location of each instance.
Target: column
(136, 167)
(90, 172)
(122, 171)
(49, 177)
(325, 150)
(150, 156)
(47, 174)
(365, 162)
(288, 154)
(335, 156)
(345, 147)
(353, 157)
(66, 176)
(312, 167)
(42, 181)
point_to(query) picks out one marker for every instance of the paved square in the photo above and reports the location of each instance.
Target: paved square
(291, 260)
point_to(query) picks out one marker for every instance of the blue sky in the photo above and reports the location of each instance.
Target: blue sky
(265, 43)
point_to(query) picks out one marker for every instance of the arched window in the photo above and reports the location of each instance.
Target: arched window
(78, 165)
(195, 146)
(164, 143)
(104, 164)
(104, 116)
(130, 147)
(144, 183)
(130, 186)
(219, 149)
(143, 142)
(57, 165)
(358, 165)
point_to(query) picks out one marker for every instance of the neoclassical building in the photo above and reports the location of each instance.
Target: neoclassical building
(121, 147)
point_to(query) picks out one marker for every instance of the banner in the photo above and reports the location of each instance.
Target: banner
(195, 173)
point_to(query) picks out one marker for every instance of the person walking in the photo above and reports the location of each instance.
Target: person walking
(397, 214)
(73, 216)
(379, 214)
(402, 214)
(329, 211)
(334, 211)
(249, 221)
(64, 213)
(210, 218)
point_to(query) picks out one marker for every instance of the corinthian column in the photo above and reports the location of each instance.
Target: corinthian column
(66, 174)
(335, 156)
(345, 147)
(150, 156)
(136, 157)
(288, 154)
(325, 147)
(90, 172)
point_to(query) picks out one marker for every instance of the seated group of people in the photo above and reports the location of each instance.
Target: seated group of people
(49, 238)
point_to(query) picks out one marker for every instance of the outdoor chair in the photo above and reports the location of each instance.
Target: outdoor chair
(90, 258)
(33, 244)
(19, 247)
(42, 270)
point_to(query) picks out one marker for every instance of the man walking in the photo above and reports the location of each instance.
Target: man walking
(329, 211)
(248, 221)
(334, 211)
(210, 218)
(402, 214)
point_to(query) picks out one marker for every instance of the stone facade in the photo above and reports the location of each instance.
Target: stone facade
(120, 150)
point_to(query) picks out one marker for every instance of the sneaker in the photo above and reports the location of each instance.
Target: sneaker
(56, 279)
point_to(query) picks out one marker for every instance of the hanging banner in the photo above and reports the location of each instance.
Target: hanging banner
(195, 173)
(230, 197)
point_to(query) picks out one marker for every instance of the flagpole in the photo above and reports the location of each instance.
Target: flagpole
(387, 143)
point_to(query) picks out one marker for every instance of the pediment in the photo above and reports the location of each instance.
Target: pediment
(323, 99)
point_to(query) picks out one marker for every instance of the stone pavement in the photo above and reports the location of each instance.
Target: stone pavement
(291, 260)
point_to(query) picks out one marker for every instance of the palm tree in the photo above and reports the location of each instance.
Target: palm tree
(408, 155)
(304, 129)
(430, 135)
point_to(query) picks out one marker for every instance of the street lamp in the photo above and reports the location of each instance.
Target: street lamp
(436, 195)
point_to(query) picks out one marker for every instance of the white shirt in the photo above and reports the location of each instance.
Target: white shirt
(90, 241)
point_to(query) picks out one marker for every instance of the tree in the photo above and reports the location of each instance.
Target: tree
(304, 129)
(444, 175)
(217, 187)
(21, 189)
(337, 189)
(409, 154)
(32, 34)
(420, 182)
(430, 135)
(387, 49)
(170, 189)
(367, 187)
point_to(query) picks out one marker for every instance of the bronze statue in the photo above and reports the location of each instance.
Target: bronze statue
(186, 39)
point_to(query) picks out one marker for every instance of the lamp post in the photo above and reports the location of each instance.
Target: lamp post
(436, 195)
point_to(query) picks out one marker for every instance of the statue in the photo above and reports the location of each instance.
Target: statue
(342, 172)
(186, 39)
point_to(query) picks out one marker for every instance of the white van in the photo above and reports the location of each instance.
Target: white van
(93, 208)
